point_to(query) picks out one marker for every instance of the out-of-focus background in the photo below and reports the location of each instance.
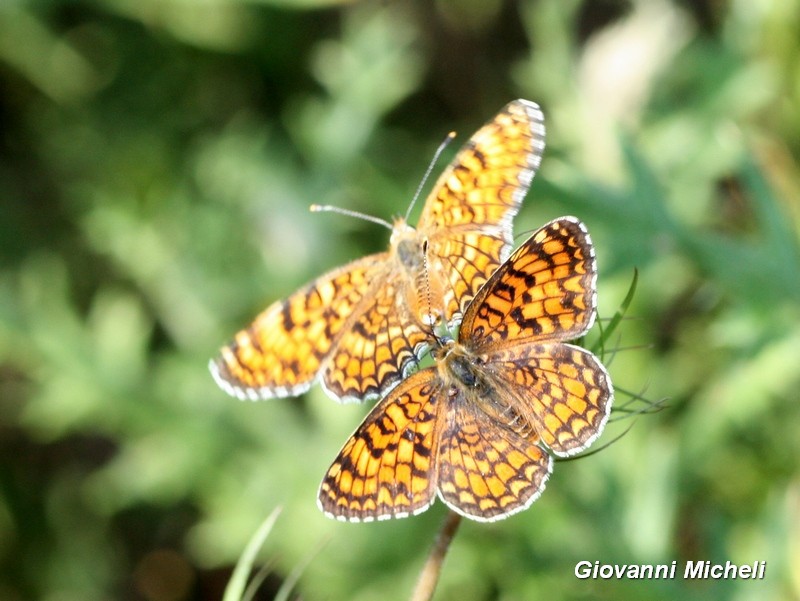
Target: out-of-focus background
(157, 162)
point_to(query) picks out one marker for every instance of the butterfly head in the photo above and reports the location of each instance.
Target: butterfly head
(401, 232)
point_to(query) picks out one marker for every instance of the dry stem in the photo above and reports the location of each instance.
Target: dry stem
(429, 577)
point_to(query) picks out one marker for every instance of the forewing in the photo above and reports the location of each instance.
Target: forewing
(546, 290)
(282, 352)
(487, 472)
(463, 262)
(386, 469)
(468, 215)
(377, 348)
(562, 392)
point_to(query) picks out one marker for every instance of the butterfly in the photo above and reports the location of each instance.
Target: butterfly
(478, 428)
(362, 328)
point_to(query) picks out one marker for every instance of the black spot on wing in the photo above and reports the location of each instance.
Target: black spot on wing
(525, 324)
(286, 314)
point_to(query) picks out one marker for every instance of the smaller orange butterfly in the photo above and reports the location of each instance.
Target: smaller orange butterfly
(361, 328)
(476, 428)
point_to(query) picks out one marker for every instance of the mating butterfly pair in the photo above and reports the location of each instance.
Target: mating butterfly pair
(475, 427)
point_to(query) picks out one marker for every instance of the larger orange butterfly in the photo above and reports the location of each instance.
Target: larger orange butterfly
(476, 427)
(361, 328)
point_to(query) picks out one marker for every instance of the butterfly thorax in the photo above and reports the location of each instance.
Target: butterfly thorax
(411, 256)
(472, 379)
(459, 369)
(421, 281)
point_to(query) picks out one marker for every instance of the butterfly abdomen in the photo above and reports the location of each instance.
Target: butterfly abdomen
(422, 282)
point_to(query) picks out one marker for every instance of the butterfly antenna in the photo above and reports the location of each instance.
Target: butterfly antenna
(431, 165)
(331, 209)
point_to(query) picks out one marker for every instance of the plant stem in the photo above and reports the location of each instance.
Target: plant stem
(429, 577)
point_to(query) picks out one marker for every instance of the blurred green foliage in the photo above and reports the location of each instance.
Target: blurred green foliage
(157, 163)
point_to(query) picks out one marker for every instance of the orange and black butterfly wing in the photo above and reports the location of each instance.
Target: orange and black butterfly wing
(283, 351)
(468, 216)
(546, 291)
(487, 472)
(378, 346)
(387, 468)
(544, 295)
(561, 391)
